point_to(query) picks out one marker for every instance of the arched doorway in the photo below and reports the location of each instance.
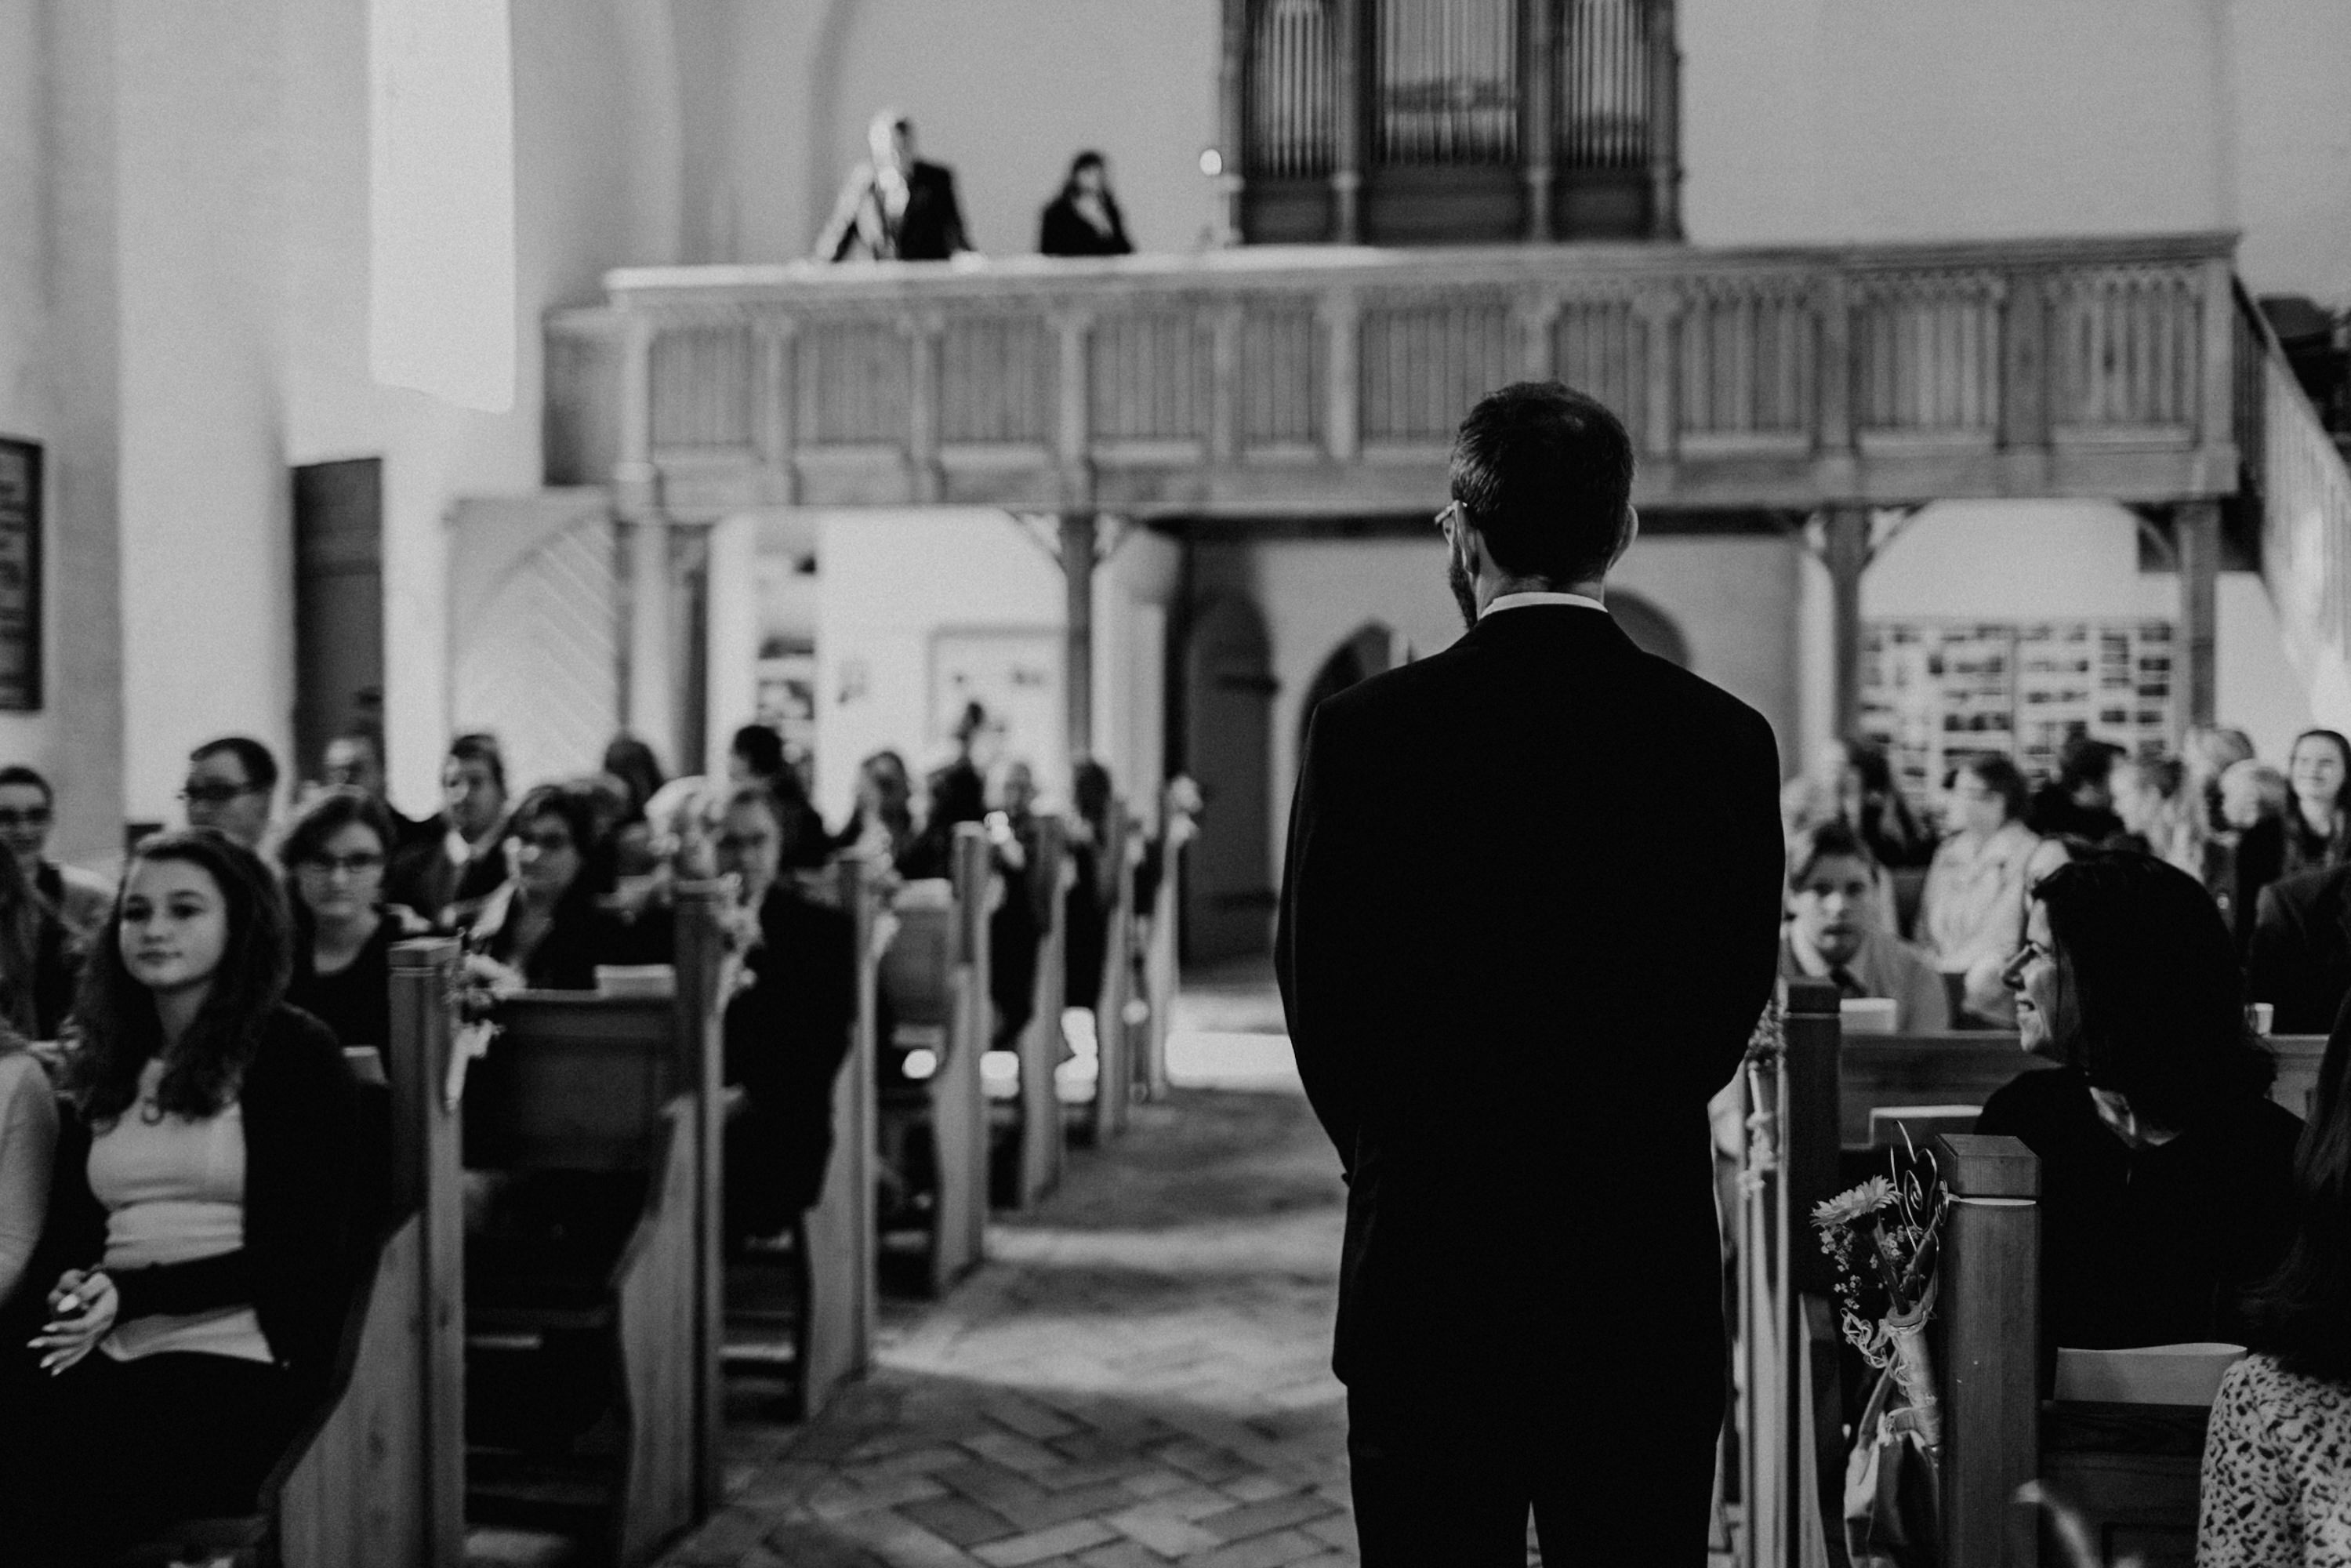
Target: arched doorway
(1652, 630)
(1369, 650)
(1228, 897)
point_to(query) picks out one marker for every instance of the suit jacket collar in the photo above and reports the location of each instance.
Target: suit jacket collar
(1573, 625)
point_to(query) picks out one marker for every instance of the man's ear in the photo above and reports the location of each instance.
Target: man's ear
(1627, 534)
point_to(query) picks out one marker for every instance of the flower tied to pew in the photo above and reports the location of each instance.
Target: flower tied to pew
(1883, 1237)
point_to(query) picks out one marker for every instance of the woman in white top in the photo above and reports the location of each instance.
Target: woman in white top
(200, 1218)
(1973, 905)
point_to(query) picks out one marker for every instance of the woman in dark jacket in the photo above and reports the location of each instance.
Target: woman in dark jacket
(547, 924)
(39, 964)
(2167, 1172)
(1084, 219)
(334, 856)
(200, 1217)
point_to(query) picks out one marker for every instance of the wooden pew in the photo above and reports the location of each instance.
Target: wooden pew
(936, 975)
(1042, 1141)
(837, 1235)
(1160, 956)
(375, 1479)
(2129, 1472)
(1117, 1041)
(613, 1103)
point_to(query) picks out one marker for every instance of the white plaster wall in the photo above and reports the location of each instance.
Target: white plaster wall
(890, 581)
(1813, 121)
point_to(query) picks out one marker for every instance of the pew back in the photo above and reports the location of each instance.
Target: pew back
(1160, 958)
(838, 1314)
(1043, 1142)
(1116, 1041)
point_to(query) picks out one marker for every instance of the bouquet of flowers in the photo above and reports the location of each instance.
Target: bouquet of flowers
(1883, 1237)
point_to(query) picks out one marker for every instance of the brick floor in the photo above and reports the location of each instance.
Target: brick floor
(1139, 1375)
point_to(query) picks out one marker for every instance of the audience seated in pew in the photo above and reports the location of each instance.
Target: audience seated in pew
(2318, 815)
(334, 853)
(1013, 929)
(545, 926)
(1834, 930)
(756, 756)
(786, 1029)
(2078, 803)
(2277, 1460)
(196, 1256)
(2165, 1170)
(1093, 890)
(29, 1142)
(83, 899)
(40, 960)
(1984, 994)
(2252, 815)
(883, 823)
(2163, 815)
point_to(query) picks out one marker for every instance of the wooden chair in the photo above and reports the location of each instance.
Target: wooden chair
(600, 1115)
(374, 1478)
(935, 976)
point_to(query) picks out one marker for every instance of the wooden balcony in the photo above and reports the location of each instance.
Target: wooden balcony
(1327, 381)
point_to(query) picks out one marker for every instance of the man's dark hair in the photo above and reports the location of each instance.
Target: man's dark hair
(326, 814)
(1825, 841)
(260, 768)
(481, 746)
(17, 773)
(2000, 776)
(1544, 474)
(761, 749)
(2159, 999)
(2085, 760)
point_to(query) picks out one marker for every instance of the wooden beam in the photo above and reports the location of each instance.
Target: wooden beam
(1845, 552)
(1990, 1300)
(2195, 539)
(1078, 533)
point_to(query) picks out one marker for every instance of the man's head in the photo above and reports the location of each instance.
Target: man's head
(473, 784)
(230, 784)
(890, 138)
(755, 755)
(27, 806)
(354, 760)
(1832, 890)
(750, 839)
(1543, 485)
(2083, 766)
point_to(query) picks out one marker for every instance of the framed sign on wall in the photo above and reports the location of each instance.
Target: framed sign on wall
(20, 575)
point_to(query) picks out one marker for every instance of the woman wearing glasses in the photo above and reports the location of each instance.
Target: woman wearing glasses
(334, 855)
(547, 926)
(2167, 1174)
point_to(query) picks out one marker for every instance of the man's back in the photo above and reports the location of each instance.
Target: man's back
(1531, 915)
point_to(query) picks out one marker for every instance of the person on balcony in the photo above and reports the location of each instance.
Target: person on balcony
(1084, 219)
(895, 206)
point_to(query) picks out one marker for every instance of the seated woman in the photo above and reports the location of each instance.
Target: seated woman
(334, 856)
(2166, 1171)
(2277, 1487)
(1834, 931)
(545, 926)
(1974, 895)
(788, 1029)
(202, 1205)
(40, 962)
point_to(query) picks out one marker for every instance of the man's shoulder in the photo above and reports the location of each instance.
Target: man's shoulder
(2307, 891)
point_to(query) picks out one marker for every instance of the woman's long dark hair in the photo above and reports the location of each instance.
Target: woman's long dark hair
(118, 1028)
(2302, 1315)
(577, 809)
(2159, 999)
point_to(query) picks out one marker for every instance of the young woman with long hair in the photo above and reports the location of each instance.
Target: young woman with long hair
(2277, 1493)
(2166, 1169)
(334, 855)
(546, 925)
(2318, 818)
(204, 1188)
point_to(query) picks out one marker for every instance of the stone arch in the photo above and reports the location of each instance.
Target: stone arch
(1368, 650)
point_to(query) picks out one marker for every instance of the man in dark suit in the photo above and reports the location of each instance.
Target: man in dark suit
(894, 207)
(1531, 915)
(2300, 958)
(460, 855)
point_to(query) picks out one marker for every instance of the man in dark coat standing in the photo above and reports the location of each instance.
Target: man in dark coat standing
(896, 207)
(1531, 915)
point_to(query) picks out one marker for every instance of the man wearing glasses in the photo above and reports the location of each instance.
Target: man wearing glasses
(1531, 913)
(232, 783)
(83, 899)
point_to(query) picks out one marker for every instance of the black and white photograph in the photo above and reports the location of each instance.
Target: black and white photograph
(1175, 784)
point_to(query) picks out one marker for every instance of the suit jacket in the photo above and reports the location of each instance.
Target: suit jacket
(1530, 915)
(421, 876)
(2300, 961)
(930, 228)
(788, 1032)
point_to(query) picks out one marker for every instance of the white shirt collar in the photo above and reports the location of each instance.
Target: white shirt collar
(1521, 601)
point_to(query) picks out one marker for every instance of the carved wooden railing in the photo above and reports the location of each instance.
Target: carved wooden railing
(2298, 478)
(1325, 379)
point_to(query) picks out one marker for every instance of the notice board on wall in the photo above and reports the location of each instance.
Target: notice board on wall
(1934, 693)
(20, 575)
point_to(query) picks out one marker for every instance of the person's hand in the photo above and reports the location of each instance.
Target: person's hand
(82, 1312)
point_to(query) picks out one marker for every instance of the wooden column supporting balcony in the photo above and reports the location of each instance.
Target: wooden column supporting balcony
(1265, 382)
(2196, 538)
(1845, 552)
